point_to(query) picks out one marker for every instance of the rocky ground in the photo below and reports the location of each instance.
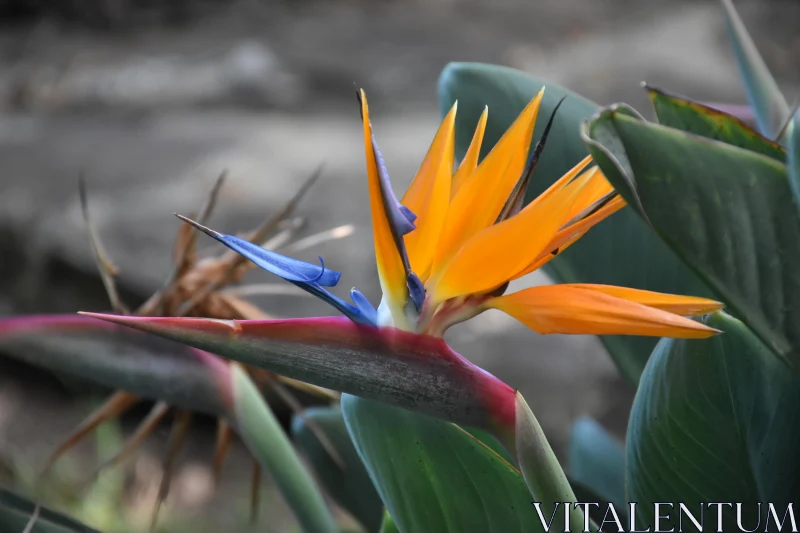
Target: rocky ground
(152, 114)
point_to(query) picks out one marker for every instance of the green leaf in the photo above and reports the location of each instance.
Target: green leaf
(268, 443)
(770, 106)
(619, 251)
(351, 488)
(727, 212)
(435, 477)
(715, 420)
(118, 358)
(793, 144)
(693, 117)
(542, 472)
(16, 513)
(597, 461)
(388, 525)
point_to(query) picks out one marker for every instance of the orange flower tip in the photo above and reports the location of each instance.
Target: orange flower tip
(516, 199)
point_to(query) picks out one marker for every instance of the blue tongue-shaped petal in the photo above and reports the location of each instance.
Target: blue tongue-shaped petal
(401, 219)
(310, 278)
(280, 265)
(364, 306)
(416, 290)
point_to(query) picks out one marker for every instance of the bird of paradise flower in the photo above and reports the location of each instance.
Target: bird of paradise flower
(445, 252)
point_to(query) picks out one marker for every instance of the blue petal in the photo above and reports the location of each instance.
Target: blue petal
(401, 219)
(306, 276)
(416, 290)
(353, 312)
(364, 306)
(280, 265)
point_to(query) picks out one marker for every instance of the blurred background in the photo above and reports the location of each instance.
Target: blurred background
(150, 100)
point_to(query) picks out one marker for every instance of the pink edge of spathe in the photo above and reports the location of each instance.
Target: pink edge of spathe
(498, 399)
(220, 368)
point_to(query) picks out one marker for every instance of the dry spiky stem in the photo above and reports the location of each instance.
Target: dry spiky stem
(314, 390)
(224, 438)
(145, 428)
(298, 409)
(180, 427)
(339, 232)
(185, 246)
(267, 228)
(105, 267)
(117, 403)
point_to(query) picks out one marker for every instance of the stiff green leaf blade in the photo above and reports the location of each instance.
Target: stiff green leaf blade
(621, 250)
(597, 462)
(16, 513)
(268, 443)
(715, 420)
(793, 164)
(542, 472)
(119, 358)
(693, 117)
(434, 477)
(727, 212)
(350, 487)
(770, 106)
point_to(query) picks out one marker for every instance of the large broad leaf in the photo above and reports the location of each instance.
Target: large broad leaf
(762, 90)
(268, 443)
(684, 114)
(349, 485)
(726, 211)
(16, 513)
(621, 250)
(435, 477)
(715, 420)
(119, 358)
(597, 462)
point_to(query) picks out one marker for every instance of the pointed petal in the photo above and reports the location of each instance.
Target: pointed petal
(564, 180)
(499, 253)
(391, 268)
(470, 161)
(596, 188)
(516, 200)
(565, 309)
(571, 233)
(416, 372)
(429, 195)
(365, 307)
(484, 193)
(672, 303)
(273, 262)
